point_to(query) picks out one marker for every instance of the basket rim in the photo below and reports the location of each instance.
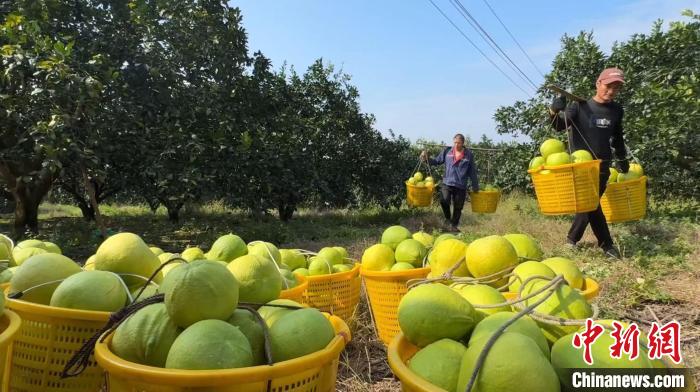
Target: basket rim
(628, 182)
(298, 289)
(402, 372)
(484, 192)
(15, 322)
(355, 271)
(19, 305)
(564, 166)
(435, 184)
(111, 363)
(395, 274)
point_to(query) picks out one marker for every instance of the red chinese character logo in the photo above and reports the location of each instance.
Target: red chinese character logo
(665, 340)
(627, 341)
(586, 338)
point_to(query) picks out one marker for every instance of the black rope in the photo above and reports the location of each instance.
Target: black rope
(156, 272)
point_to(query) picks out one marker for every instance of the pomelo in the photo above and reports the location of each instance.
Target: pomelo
(445, 255)
(393, 235)
(410, 251)
(52, 248)
(265, 249)
(91, 290)
(6, 254)
(259, 281)
(433, 311)
(424, 238)
(418, 176)
(439, 362)
(192, 254)
(442, 237)
(30, 244)
(581, 156)
(198, 291)
(402, 267)
(5, 275)
(146, 336)
(89, 264)
(253, 331)
(536, 162)
(273, 313)
(524, 325)
(149, 291)
(165, 256)
(563, 266)
(301, 271)
(525, 246)
(319, 266)
(156, 250)
(551, 146)
(378, 257)
(299, 333)
(481, 294)
(21, 254)
(613, 175)
(41, 269)
(126, 253)
(340, 268)
(331, 255)
(491, 255)
(565, 302)
(227, 248)
(636, 169)
(209, 345)
(343, 252)
(525, 270)
(558, 158)
(292, 258)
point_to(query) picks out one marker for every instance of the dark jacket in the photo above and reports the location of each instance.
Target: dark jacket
(456, 173)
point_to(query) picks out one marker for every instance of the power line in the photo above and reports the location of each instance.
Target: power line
(479, 49)
(513, 37)
(485, 35)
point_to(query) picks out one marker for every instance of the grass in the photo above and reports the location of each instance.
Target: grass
(658, 277)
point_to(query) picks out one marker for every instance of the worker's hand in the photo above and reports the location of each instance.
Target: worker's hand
(623, 166)
(558, 104)
(423, 155)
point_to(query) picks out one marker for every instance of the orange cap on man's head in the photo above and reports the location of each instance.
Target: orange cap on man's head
(611, 75)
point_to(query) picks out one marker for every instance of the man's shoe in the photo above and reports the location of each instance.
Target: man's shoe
(571, 244)
(612, 253)
(454, 229)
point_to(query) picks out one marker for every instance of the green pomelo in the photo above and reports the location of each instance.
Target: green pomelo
(165, 256)
(301, 271)
(481, 294)
(331, 255)
(566, 267)
(410, 251)
(433, 311)
(299, 333)
(581, 156)
(525, 246)
(91, 290)
(445, 255)
(393, 236)
(378, 257)
(551, 146)
(524, 325)
(5, 275)
(253, 331)
(526, 270)
(171, 266)
(146, 336)
(491, 255)
(424, 238)
(52, 248)
(558, 158)
(402, 267)
(266, 250)
(514, 363)
(200, 290)
(126, 253)
(273, 313)
(6, 254)
(343, 252)
(288, 279)
(613, 175)
(30, 244)
(565, 303)
(319, 266)
(209, 345)
(341, 268)
(22, 254)
(192, 254)
(536, 162)
(149, 291)
(439, 362)
(442, 237)
(292, 258)
(227, 248)
(41, 269)
(259, 281)
(156, 250)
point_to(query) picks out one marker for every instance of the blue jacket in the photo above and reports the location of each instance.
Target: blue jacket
(456, 173)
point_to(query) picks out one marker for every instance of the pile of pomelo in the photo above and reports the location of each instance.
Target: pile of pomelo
(417, 179)
(399, 249)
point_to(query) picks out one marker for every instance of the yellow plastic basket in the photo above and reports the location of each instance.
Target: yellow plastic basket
(485, 201)
(419, 196)
(385, 290)
(9, 326)
(567, 189)
(313, 372)
(625, 201)
(337, 294)
(47, 339)
(399, 353)
(296, 293)
(590, 290)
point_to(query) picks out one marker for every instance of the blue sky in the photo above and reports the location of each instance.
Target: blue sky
(415, 72)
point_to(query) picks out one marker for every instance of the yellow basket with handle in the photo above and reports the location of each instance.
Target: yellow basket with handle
(590, 290)
(313, 372)
(485, 202)
(625, 201)
(337, 294)
(46, 340)
(400, 351)
(567, 189)
(419, 196)
(10, 324)
(296, 293)
(385, 290)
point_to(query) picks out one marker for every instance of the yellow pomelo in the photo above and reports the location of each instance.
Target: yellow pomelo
(343, 252)
(410, 251)
(442, 237)
(481, 294)
(299, 333)
(91, 290)
(424, 238)
(402, 267)
(551, 146)
(565, 302)
(192, 254)
(445, 255)
(209, 345)
(259, 281)
(433, 311)
(30, 244)
(393, 235)
(89, 264)
(301, 271)
(378, 257)
(514, 363)
(524, 325)
(165, 256)
(22, 254)
(636, 169)
(6, 254)
(41, 269)
(340, 268)
(126, 253)
(146, 336)
(563, 266)
(227, 248)
(525, 246)
(331, 255)
(265, 249)
(156, 250)
(253, 331)
(526, 270)
(273, 313)
(438, 363)
(52, 248)
(292, 258)
(491, 255)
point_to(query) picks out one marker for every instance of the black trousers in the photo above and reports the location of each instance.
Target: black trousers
(595, 218)
(452, 196)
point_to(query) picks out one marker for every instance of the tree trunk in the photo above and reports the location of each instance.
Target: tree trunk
(87, 210)
(286, 211)
(26, 213)
(173, 209)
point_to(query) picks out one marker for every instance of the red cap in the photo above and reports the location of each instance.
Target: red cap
(611, 75)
